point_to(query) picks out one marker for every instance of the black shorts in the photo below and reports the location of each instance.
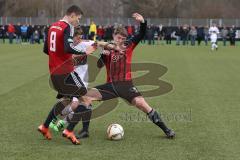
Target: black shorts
(69, 85)
(124, 89)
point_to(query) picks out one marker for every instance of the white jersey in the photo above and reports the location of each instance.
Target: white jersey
(213, 31)
(82, 46)
(82, 70)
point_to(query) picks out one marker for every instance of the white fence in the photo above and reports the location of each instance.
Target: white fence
(125, 21)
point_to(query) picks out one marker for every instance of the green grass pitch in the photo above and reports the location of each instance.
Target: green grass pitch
(203, 108)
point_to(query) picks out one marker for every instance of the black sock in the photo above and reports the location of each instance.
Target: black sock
(56, 110)
(76, 117)
(86, 118)
(156, 119)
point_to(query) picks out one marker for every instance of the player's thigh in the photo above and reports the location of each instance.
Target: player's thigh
(92, 95)
(127, 91)
(107, 91)
(68, 85)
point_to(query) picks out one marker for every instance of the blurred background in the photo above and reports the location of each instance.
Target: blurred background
(169, 19)
(123, 8)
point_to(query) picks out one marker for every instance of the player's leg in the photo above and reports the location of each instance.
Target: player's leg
(56, 110)
(99, 93)
(216, 44)
(72, 86)
(129, 92)
(153, 115)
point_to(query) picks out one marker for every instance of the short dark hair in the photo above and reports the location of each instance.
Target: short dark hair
(74, 9)
(121, 30)
(78, 31)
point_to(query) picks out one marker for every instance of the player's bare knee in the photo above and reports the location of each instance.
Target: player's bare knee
(138, 101)
(75, 103)
(86, 100)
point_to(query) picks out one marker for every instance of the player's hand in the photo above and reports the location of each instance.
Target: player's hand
(138, 17)
(91, 49)
(106, 52)
(119, 48)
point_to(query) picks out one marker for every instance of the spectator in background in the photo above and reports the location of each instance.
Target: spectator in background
(11, 32)
(3, 33)
(156, 36)
(200, 35)
(24, 29)
(160, 33)
(224, 35)
(193, 35)
(36, 37)
(18, 33)
(93, 31)
(30, 32)
(168, 35)
(108, 33)
(232, 35)
(178, 35)
(206, 35)
(150, 35)
(100, 33)
(45, 32)
(85, 29)
(184, 34)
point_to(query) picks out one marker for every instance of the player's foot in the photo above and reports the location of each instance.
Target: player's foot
(60, 126)
(71, 137)
(170, 134)
(45, 132)
(82, 134)
(53, 123)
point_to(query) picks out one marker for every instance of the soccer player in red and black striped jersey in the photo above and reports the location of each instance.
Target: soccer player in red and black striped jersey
(60, 48)
(119, 78)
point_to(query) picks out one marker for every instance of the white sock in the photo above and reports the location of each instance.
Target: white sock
(69, 116)
(67, 110)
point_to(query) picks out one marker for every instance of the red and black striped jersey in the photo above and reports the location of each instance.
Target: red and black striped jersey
(118, 65)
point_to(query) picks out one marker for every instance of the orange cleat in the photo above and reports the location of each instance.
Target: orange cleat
(45, 132)
(71, 136)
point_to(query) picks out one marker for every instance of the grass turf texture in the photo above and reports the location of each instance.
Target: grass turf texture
(203, 108)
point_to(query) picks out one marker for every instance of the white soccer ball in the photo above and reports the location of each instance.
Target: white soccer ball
(115, 132)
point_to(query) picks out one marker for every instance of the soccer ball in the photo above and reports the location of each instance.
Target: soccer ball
(115, 132)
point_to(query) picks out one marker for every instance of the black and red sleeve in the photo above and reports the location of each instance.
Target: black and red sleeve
(101, 61)
(141, 34)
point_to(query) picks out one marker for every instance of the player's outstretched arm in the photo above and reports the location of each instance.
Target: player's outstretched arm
(110, 46)
(143, 27)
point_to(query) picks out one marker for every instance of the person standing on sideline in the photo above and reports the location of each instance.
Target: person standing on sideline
(232, 35)
(18, 33)
(224, 34)
(11, 32)
(200, 35)
(206, 35)
(93, 31)
(193, 35)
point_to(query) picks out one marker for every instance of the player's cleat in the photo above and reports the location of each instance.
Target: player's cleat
(71, 137)
(170, 134)
(45, 132)
(59, 126)
(53, 123)
(82, 134)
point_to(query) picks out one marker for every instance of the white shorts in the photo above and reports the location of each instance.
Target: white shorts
(82, 71)
(213, 39)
